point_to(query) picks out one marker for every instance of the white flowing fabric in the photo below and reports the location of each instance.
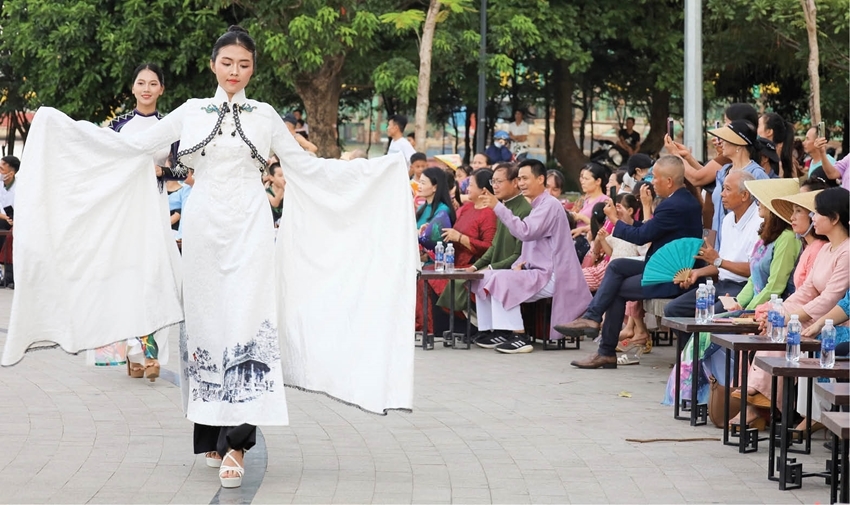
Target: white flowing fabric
(344, 265)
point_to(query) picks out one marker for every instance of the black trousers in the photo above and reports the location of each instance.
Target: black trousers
(621, 284)
(221, 438)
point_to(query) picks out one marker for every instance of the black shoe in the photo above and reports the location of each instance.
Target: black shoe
(516, 344)
(490, 339)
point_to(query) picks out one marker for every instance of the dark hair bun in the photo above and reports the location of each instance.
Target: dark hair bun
(237, 29)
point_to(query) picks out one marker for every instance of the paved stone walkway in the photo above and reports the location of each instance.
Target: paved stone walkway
(487, 428)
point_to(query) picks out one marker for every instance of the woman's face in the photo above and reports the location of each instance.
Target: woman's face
(588, 183)
(147, 89)
(800, 220)
(426, 189)
(473, 191)
(612, 182)
(823, 224)
(552, 186)
(764, 212)
(233, 68)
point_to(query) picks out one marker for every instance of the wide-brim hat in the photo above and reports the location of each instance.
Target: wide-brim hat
(785, 205)
(768, 190)
(739, 132)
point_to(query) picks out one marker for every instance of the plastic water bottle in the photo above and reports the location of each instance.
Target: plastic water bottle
(827, 345)
(792, 347)
(710, 296)
(450, 258)
(778, 321)
(702, 300)
(770, 316)
(439, 262)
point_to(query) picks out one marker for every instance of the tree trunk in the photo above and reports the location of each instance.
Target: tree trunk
(320, 91)
(467, 140)
(423, 91)
(659, 110)
(810, 12)
(567, 151)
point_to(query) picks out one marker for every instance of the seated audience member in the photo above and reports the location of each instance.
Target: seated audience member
(617, 182)
(605, 247)
(678, 216)
(554, 183)
(437, 213)
(547, 256)
(9, 166)
(500, 150)
(506, 248)
(730, 263)
(275, 192)
(454, 189)
(840, 314)
(472, 235)
(462, 174)
(824, 285)
(592, 179)
(411, 138)
(177, 193)
(480, 161)
(775, 254)
(639, 166)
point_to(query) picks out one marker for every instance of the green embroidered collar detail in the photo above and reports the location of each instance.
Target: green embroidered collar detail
(213, 109)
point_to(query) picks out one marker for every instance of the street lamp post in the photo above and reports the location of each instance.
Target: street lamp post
(482, 83)
(693, 135)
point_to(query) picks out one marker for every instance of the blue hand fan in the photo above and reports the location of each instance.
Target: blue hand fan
(673, 262)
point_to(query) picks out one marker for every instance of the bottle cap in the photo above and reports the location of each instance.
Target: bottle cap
(795, 317)
(439, 242)
(829, 322)
(702, 285)
(773, 297)
(710, 282)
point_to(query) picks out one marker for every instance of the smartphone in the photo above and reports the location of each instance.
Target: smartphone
(821, 130)
(612, 192)
(716, 125)
(670, 127)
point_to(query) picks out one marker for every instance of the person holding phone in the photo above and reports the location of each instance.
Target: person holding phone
(817, 156)
(9, 166)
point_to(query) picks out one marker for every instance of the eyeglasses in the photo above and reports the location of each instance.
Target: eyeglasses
(497, 182)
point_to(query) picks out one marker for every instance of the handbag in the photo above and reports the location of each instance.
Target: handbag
(716, 395)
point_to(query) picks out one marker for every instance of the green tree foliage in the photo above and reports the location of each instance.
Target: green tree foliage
(78, 55)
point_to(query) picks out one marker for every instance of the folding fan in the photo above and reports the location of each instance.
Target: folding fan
(671, 263)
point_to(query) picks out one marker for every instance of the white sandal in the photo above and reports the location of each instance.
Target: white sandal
(212, 462)
(230, 482)
(625, 359)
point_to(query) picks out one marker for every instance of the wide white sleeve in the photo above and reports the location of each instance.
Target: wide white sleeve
(91, 257)
(346, 261)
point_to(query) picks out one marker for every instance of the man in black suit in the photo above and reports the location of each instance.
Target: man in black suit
(678, 216)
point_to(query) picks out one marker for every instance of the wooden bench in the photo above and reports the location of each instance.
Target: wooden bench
(655, 308)
(537, 318)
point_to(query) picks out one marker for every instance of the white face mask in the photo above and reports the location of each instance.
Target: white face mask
(500, 143)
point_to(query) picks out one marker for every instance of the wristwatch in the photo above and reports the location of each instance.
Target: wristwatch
(718, 261)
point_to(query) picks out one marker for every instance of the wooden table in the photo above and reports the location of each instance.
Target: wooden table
(449, 338)
(699, 413)
(836, 423)
(790, 472)
(836, 393)
(741, 346)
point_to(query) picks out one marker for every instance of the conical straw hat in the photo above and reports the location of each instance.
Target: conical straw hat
(785, 205)
(766, 190)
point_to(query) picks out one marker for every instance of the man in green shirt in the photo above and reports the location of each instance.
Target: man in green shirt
(505, 249)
